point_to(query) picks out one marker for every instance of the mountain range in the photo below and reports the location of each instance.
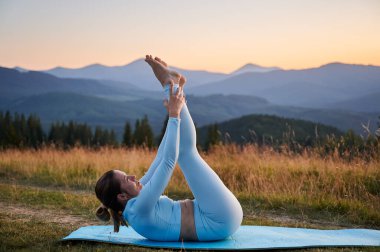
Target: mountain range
(328, 86)
(137, 72)
(320, 87)
(341, 95)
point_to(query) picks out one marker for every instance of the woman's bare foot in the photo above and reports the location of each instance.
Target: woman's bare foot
(163, 73)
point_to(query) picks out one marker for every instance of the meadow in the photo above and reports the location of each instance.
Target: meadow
(45, 194)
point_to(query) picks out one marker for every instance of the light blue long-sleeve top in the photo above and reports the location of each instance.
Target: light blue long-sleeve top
(152, 215)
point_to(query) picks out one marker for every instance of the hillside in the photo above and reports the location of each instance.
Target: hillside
(225, 107)
(366, 103)
(113, 114)
(15, 84)
(52, 107)
(269, 129)
(137, 72)
(312, 88)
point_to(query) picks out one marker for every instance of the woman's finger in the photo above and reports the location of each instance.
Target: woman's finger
(180, 91)
(171, 87)
(166, 104)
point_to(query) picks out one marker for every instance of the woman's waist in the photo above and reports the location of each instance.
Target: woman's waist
(188, 232)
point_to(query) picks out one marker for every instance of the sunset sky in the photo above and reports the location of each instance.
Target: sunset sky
(214, 35)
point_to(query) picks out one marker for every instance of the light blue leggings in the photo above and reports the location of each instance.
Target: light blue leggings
(217, 212)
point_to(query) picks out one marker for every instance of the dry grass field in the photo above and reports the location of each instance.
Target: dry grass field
(46, 194)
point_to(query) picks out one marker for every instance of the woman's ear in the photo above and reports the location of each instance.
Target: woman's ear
(122, 197)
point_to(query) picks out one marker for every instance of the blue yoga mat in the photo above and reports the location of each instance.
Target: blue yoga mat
(246, 237)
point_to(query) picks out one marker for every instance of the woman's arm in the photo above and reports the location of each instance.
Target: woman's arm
(148, 175)
(153, 189)
(160, 152)
(151, 192)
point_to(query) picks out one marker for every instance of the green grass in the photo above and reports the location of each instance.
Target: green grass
(340, 212)
(47, 194)
(16, 234)
(42, 235)
(343, 212)
(74, 203)
(22, 232)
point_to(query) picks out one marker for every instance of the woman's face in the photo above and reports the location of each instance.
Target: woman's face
(128, 183)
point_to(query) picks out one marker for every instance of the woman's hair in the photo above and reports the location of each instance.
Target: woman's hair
(107, 188)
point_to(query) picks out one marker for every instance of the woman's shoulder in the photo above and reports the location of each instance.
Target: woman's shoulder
(129, 207)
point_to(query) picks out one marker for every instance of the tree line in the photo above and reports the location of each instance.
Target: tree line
(347, 146)
(20, 131)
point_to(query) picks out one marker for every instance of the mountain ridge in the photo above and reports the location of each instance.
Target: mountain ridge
(113, 113)
(249, 67)
(308, 88)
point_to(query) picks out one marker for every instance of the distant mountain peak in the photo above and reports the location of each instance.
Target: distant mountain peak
(136, 64)
(20, 69)
(340, 64)
(249, 67)
(346, 67)
(95, 65)
(136, 61)
(58, 68)
(334, 64)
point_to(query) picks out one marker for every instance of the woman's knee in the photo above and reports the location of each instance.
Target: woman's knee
(187, 142)
(220, 224)
(236, 216)
(189, 153)
(231, 224)
(232, 219)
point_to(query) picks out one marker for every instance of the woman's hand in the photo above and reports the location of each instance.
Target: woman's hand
(176, 101)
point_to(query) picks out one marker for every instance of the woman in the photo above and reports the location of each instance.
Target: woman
(214, 214)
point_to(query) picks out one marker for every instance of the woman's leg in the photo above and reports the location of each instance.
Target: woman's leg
(217, 211)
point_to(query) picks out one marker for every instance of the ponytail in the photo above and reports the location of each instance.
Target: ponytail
(106, 190)
(118, 219)
(102, 213)
(105, 215)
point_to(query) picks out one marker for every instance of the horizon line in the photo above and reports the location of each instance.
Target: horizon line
(188, 69)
